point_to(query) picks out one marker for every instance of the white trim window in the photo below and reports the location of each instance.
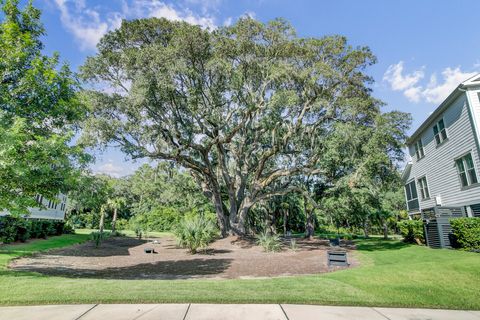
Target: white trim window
(440, 132)
(419, 149)
(422, 184)
(466, 170)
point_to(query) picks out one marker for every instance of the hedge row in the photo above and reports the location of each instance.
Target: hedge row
(466, 233)
(19, 229)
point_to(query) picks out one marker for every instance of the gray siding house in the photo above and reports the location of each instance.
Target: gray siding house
(52, 209)
(445, 168)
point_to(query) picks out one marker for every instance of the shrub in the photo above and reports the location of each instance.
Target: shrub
(270, 243)
(411, 230)
(116, 233)
(8, 229)
(158, 219)
(466, 233)
(293, 245)
(21, 229)
(138, 232)
(98, 237)
(121, 224)
(68, 228)
(195, 233)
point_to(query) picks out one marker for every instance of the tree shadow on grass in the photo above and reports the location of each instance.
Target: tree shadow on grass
(376, 245)
(175, 269)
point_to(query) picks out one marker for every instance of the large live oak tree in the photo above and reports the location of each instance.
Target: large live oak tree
(248, 109)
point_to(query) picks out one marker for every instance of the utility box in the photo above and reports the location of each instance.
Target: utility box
(436, 225)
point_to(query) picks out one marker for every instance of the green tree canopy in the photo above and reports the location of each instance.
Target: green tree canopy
(248, 108)
(38, 113)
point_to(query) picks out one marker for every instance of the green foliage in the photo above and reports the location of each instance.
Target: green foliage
(21, 229)
(466, 233)
(195, 233)
(39, 112)
(269, 242)
(117, 233)
(98, 237)
(68, 228)
(159, 219)
(260, 108)
(411, 230)
(138, 232)
(122, 224)
(88, 220)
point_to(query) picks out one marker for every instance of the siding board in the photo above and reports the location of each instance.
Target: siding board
(438, 165)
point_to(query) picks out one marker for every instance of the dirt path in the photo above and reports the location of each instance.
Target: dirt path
(124, 258)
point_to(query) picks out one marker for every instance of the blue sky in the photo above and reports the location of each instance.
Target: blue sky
(424, 47)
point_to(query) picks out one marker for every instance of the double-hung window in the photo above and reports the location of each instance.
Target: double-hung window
(466, 170)
(419, 149)
(440, 132)
(422, 185)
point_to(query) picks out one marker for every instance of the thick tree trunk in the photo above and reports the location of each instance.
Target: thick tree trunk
(222, 221)
(240, 227)
(114, 219)
(310, 223)
(310, 227)
(102, 220)
(271, 223)
(385, 229)
(365, 228)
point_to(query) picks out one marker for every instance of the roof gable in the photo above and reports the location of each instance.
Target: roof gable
(473, 81)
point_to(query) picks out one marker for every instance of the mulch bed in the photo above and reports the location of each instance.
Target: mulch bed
(124, 258)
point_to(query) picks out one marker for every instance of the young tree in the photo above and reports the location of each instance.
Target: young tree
(245, 108)
(38, 113)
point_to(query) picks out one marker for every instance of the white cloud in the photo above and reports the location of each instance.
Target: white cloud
(227, 22)
(434, 91)
(413, 94)
(159, 9)
(399, 81)
(112, 170)
(88, 25)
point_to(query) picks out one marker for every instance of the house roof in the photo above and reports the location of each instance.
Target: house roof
(471, 82)
(406, 172)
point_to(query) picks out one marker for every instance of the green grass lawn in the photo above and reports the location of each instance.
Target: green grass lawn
(392, 274)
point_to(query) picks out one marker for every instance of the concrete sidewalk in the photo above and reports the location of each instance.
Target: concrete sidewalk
(225, 311)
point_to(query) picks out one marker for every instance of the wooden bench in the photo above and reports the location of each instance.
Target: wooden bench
(149, 250)
(337, 258)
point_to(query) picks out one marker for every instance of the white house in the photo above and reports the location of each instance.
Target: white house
(445, 166)
(54, 209)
